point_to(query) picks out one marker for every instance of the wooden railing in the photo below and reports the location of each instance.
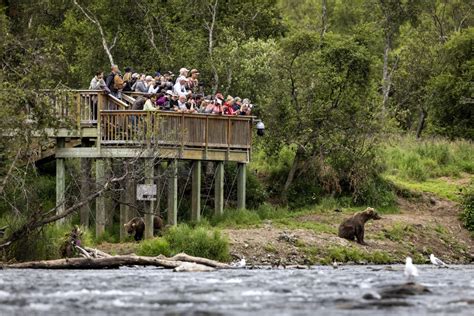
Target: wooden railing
(174, 129)
(117, 125)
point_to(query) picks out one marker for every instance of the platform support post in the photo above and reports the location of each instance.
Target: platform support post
(219, 189)
(173, 192)
(100, 200)
(196, 192)
(86, 168)
(149, 205)
(241, 185)
(60, 181)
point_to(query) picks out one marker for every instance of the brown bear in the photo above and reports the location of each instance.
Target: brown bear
(353, 227)
(137, 225)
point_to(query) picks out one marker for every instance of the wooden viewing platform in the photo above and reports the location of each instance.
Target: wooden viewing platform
(99, 127)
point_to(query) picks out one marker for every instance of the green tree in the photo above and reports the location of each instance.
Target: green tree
(452, 90)
(322, 104)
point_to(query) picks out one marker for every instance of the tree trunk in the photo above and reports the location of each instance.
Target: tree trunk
(93, 19)
(386, 80)
(210, 27)
(291, 174)
(421, 123)
(180, 262)
(324, 18)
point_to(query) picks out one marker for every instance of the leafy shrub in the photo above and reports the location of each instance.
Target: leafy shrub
(154, 247)
(200, 241)
(467, 214)
(44, 244)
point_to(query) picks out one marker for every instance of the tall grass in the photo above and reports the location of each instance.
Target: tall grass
(420, 160)
(199, 241)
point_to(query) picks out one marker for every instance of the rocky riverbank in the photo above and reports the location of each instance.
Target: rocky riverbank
(424, 225)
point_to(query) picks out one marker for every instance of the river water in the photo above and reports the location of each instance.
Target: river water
(151, 291)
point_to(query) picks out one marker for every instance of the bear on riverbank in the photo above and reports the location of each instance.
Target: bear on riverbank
(137, 226)
(353, 227)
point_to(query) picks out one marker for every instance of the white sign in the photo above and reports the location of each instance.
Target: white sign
(146, 192)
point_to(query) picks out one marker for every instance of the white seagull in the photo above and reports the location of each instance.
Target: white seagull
(410, 270)
(240, 264)
(437, 262)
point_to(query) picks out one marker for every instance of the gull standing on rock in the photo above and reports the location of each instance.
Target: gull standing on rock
(410, 270)
(437, 262)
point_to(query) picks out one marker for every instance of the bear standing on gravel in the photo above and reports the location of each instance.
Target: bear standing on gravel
(137, 226)
(353, 227)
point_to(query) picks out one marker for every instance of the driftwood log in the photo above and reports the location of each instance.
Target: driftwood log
(99, 260)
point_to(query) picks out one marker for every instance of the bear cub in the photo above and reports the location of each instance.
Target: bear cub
(137, 226)
(353, 227)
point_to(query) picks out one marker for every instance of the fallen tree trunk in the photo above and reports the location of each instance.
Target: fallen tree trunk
(204, 261)
(96, 253)
(96, 263)
(101, 260)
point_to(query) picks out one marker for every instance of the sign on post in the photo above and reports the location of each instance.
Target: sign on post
(146, 192)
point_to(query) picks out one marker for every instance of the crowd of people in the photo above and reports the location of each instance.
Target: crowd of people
(163, 92)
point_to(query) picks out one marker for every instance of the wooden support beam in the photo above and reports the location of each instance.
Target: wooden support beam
(85, 179)
(219, 189)
(241, 185)
(149, 205)
(159, 186)
(109, 202)
(196, 192)
(60, 181)
(163, 153)
(100, 200)
(124, 203)
(123, 212)
(128, 198)
(173, 192)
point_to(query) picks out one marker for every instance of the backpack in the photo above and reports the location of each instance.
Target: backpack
(118, 82)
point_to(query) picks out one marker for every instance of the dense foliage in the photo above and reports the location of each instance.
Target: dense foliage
(467, 215)
(328, 77)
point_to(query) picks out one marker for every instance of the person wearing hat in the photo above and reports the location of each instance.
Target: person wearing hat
(237, 104)
(193, 82)
(180, 87)
(183, 72)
